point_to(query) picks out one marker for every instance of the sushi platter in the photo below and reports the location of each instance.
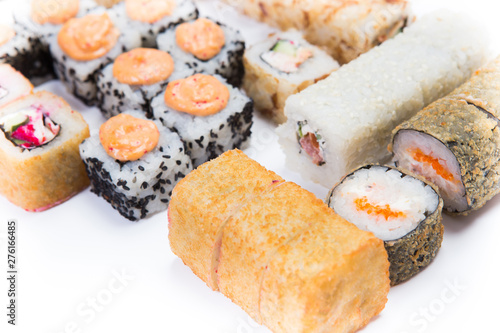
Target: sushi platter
(100, 259)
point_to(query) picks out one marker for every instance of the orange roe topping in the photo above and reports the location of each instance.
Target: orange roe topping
(127, 138)
(149, 11)
(440, 170)
(6, 34)
(371, 209)
(89, 37)
(203, 38)
(54, 11)
(199, 95)
(143, 66)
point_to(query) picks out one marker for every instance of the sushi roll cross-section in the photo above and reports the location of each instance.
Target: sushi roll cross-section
(40, 165)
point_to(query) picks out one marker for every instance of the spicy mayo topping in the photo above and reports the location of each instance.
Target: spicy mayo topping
(149, 11)
(6, 34)
(203, 38)
(198, 95)
(143, 66)
(53, 11)
(89, 37)
(127, 138)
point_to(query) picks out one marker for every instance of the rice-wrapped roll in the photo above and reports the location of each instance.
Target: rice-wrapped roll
(107, 3)
(151, 17)
(13, 84)
(209, 114)
(134, 164)
(401, 210)
(83, 47)
(346, 120)
(206, 47)
(280, 66)
(40, 165)
(345, 28)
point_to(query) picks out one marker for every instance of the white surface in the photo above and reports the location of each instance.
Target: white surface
(69, 256)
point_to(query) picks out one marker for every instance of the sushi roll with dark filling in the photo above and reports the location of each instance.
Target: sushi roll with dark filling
(134, 163)
(403, 211)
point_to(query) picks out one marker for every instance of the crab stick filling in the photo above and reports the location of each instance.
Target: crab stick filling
(54, 11)
(203, 38)
(143, 66)
(127, 138)
(149, 11)
(199, 95)
(6, 34)
(89, 37)
(286, 56)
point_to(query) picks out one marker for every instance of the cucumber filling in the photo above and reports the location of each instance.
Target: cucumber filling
(286, 56)
(311, 142)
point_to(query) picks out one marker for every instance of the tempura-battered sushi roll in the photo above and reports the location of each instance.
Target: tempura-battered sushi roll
(13, 84)
(83, 47)
(134, 163)
(401, 210)
(134, 79)
(207, 47)
(346, 120)
(456, 146)
(151, 17)
(40, 165)
(210, 115)
(198, 213)
(280, 66)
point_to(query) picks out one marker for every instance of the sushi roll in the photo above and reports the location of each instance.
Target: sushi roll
(403, 211)
(83, 47)
(134, 163)
(275, 249)
(40, 164)
(280, 66)
(346, 120)
(210, 115)
(345, 29)
(134, 79)
(151, 17)
(13, 84)
(207, 47)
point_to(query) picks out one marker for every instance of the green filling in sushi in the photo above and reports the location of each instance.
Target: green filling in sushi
(286, 55)
(311, 142)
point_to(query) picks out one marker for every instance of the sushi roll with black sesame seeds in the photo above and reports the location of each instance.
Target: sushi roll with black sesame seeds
(207, 47)
(403, 211)
(150, 17)
(83, 47)
(134, 163)
(210, 115)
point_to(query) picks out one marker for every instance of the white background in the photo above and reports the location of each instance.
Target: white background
(84, 268)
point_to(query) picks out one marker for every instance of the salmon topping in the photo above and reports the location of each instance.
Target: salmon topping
(89, 37)
(199, 95)
(6, 34)
(54, 11)
(203, 38)
(127, 138)
(143, 66)
(374, 209)
(440, 170)
(149, 11)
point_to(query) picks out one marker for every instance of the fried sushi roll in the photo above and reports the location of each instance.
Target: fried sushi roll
(206, 47)
(134, 163)
(280, 66)
(401, 210)
(40, 165)
(13, 85)
(210, 115)
(275, 249)
(346, 120)
(345, 28)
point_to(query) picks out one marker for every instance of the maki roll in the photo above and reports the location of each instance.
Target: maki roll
(40, 165)
(13, 84)
(403, 211)
(134, 163)
(134, 79)
(151, 17)
(346, 120)
(210, 115)
(83, 47)
(280, 66)
(207, 47)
